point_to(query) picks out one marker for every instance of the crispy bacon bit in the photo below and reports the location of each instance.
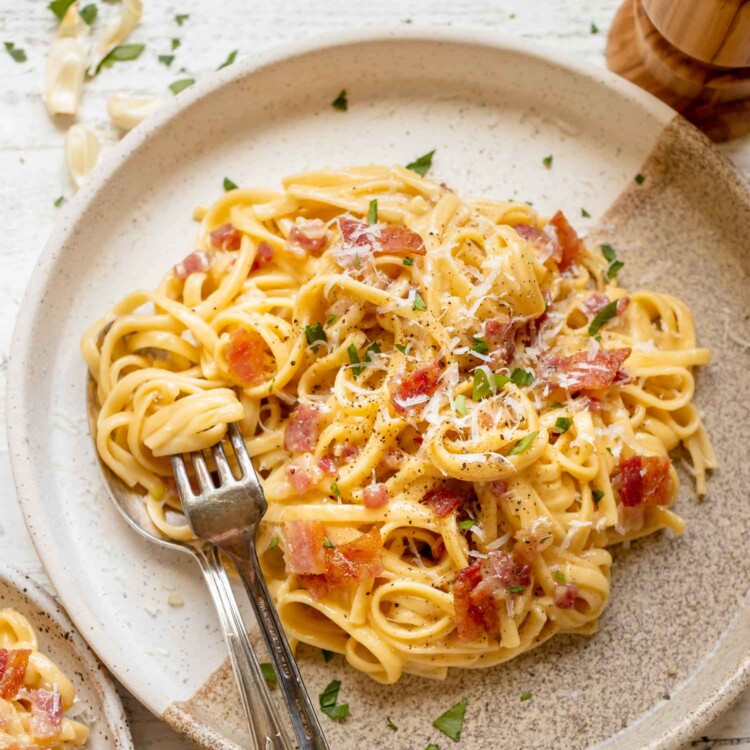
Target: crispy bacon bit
(645, 480)
(568, 239)
(582, 372)
(437, 547)
(595, 302)
(307, 235)
(499, 487)
(303, 428)
(46, 714)
(566, 595)
(349, 452)
(376, 495)
(622, 305)
(246, 356)
(443, 500)
(381, 239)
(196, 262)
(304, 552)
(303, 474)
(354, 561)
(13, 665)
(500, 333)
(415, 388)
(226, 237)
(546, 244)
(327, 465)
(263, 256)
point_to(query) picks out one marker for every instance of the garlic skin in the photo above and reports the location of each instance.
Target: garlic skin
(81, 153)
(126, 112)
(66, 65)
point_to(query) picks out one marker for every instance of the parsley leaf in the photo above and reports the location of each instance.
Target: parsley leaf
(166, 59)
(328, 544)
(390, 724)
(60, 201)
(181, 85)
(452, 721)
(328, 702)
(467, 524)
(60, 7)
(517, 589)
(547, 161)
(401, 348)
(432, 746)
(480, 345)
(327, 655)
(273, 543)
(269, 674)
(585, 214)
(422, 164)
(640, 179)
(15, 52)
(372, 213)
(88, 13)
(526, 695)
(605, 314)
(121, 53)
(357, 367)
(559, 576)
(460, 402)
(175, 43)
(598, 495)
(523, 443)
(500, 379)
(180, 18)
(594, 28)
(229, 184)
(341, 103)
(335, 491)
(419, 303)
(481, 386)
(408, 261)
(231, 57)
(608, 252)
(614, 269)
(330, 320)
(314, 333)
(563, 424)
(522, 377)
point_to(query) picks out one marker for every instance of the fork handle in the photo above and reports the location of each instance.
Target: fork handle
(305, 723)
(263, 722)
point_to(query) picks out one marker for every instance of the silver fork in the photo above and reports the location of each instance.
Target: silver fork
(227, 514)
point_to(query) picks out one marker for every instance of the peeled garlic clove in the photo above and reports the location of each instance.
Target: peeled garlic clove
(119, 30)
(63, 76)
(72, 24)
(81, 152)
(127, 112)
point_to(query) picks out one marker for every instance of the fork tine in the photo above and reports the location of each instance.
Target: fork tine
(243, 458)
(202, 472)
(222, 465)
(181, 477)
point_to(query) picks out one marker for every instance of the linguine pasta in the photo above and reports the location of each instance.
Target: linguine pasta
(453, 407)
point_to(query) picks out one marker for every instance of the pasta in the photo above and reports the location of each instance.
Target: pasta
(34, 692)
(453, 407)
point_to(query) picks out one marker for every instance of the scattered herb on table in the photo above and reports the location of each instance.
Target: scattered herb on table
(341, 103)
(452, 721)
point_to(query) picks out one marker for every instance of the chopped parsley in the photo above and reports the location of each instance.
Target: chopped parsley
(408, 261)
(269, 674)
(480, 345)
(231, 57)
(614, 265)
(523, 443)
(372, 212)
(16, 53)
(585, 214)
(452, 721)
(598, 495)
(341, 103)
(229, 184)
(335, 490)
(330, 320)
(390, 724)
(517, 589)
(467, 524)
(605, 314)
(609, 450)
(403, 349)
(181, 85)
(522, 377)
(88, 13)
(166, 59)
(327, 655)
(359, 364)
(547, 161)
(419, 303)
(121, 53)
(461, 407)
(544, 539)
(328, 544)
(481, 387)
(313, 334)
(594, 28)
(640, 179)
(613, 269)
(180, 18)
(526, 695)
(329, 702)
(60, 7)
(608, 252)
(60, 201)
(273, 543)
(563, 424)
(175, 43)
(422, 164)
(559, 576)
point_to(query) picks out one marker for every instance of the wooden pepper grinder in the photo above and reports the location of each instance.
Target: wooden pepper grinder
(693, 54)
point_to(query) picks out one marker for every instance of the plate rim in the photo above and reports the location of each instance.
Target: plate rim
(110, 704)
(18, 436)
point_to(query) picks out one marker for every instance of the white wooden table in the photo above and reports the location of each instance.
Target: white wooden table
(33, 175)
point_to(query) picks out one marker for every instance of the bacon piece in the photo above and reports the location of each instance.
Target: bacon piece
(443, 500)
(263, 256)
(566, 595)
(303, 429)
(415, 388)
(437, 548)
(498, 487)
(46, 714)
(350, 563)
(13, 665)
(541, 240)
(470, 620)
(304, 552)
(196, 262)
(622, 305)
(226, 237)
(381, 239)
(645, 480)
(307, 235)
(581, 372)
(595, 302)
(349, 452)
(327, 465)
(500, 333)
(571, 245)
(246, 356)
(376, 495)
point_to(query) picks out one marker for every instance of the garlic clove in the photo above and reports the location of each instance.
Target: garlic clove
(127, 112)
(72, 24)
(81, 152)
(63, 76)
(120, 28)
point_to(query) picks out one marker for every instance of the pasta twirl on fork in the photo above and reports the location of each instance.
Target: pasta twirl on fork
(452, 405)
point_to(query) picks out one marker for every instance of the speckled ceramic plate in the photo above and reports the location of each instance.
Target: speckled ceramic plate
(98, 702)
(673, 646)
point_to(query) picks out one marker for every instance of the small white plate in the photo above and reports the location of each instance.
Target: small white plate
(58, 639)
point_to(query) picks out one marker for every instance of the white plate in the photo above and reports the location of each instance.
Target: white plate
(493, 109)
(58, 639)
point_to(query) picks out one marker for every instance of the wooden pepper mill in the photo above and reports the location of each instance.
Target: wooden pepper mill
(693, 54)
